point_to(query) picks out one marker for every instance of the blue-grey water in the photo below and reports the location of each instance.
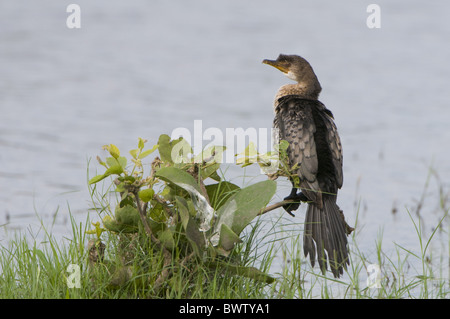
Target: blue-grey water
(142, 68)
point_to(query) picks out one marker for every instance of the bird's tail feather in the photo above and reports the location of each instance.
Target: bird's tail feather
(326, 230)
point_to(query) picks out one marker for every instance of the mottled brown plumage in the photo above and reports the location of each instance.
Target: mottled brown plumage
(315, 148)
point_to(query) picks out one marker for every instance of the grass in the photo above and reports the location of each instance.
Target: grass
(40, 270)
(32, 268)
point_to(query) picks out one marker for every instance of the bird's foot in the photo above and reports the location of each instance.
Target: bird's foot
(297, 199)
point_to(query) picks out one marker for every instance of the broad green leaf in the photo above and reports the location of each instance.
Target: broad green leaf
(228, 238)
(209, 170)
(115, 169)
(249, 272)
(195, 237)
(215, 176)
(183, 211)
(121, 160)
(220, 192)
(178, 177)
(146, 194)
(245, 205)
(165, 148)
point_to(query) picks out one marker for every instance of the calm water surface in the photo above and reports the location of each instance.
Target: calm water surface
(144, 68)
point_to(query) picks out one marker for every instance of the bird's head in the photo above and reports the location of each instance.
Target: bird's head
(298, 69)
(293, 66)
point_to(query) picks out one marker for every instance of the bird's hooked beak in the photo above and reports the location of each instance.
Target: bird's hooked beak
(276, 64)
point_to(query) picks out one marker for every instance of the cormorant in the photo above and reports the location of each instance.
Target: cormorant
(315, 154)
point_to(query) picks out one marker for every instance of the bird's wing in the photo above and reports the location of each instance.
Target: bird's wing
(295, 124)
(334, 142)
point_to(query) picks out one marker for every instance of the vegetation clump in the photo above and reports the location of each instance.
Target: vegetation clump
(168, 224)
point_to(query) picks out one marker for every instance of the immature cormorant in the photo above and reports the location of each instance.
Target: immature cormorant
(315, 149)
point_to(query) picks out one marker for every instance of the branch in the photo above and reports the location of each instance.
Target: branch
(166, 254)
(276, 205)
(142, 215)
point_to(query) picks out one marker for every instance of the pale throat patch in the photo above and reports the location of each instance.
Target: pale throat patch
(290, 75)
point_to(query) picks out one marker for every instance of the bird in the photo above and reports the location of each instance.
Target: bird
(315, 156)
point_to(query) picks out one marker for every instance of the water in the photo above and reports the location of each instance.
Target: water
(144, 68)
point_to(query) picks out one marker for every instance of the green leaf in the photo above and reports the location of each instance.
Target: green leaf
(215, 176)
(148, 152)
(178, 177)
(209, 171)
(141, 143)
(245, 205)
(115, 169)
(113, 150)
(180, 151)
(228, 238)
(146, 194)
(167, 152)
(249, 272)
(97, 179)
(165, 148)
(220, 192)
(193, 234)
(183, 211)
(195, 237)
(121, 161)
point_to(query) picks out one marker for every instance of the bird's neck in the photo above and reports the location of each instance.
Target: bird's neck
(301, 88)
